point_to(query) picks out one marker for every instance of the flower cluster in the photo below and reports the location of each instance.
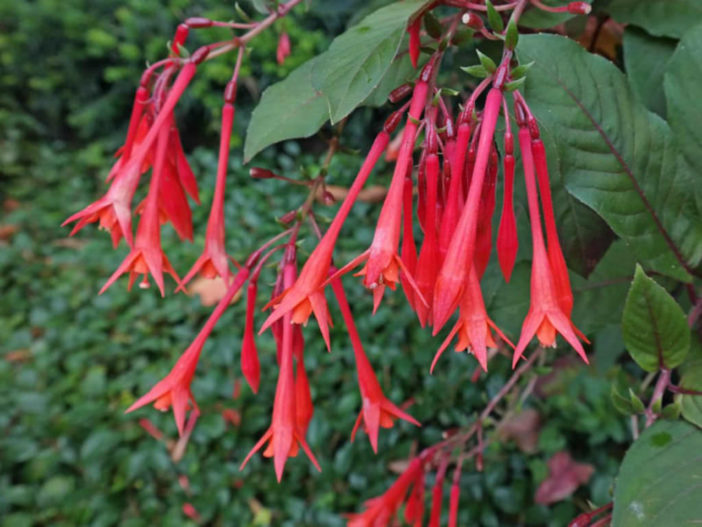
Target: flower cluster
(450, 198)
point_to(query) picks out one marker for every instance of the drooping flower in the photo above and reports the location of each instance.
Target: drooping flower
(147, 256)
(379, 511)
(507, 241)
(250, 365)
(174, 389)
(214, 261)
(383, 264)
(377, 411)
(473, 326)
(545, 316)
(284, 437)
(306, 295)
(451, 277)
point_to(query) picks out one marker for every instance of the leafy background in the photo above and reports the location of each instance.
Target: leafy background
(71, 362)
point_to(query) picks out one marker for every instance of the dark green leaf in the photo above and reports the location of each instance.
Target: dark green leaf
(617, 156)
(399, 72)
(691, 379)
(683, 81)
(663, 18)
(659, 480)
(432, 25)
(645, 58)
(356, 61)
(654, 326)
(290, 108)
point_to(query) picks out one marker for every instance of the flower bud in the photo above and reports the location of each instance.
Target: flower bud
(261, 173)
(473, 21)
(400, 93)
(579, 8)
(197, 22)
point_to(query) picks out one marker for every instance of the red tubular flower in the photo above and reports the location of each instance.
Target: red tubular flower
(455, 495)
(113, 211)
(213, 261)
(507, 241)
(383, 264)
(147, 256)
(283, 50)
(377, 410)
(437, 494)
(473, 325)
(545, 316)
(483, 240)
(428, 263)
(284, 437)
(409, 249)
(414, 41)
(174, 389)
(250, 366)
(451, 212)
(451, 277)
(379, 511)
(304, 408)
(414, 509)
(561, 280)
(306, 295)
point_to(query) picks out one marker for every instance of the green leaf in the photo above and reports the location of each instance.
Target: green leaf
(520, 71)
(535, 18)
(356, 61)
(645, 59)
(682, 83)
(617, 156)
(288, 109)
(636, 403)
(620, 399)
(432, 25)
(654, 326)
(659, 480)
(494, 19)
(662, 18)
(691, 379)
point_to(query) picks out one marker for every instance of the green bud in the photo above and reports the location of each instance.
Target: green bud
(672, 411)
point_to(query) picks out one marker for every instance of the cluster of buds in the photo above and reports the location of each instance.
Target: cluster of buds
(451, 197)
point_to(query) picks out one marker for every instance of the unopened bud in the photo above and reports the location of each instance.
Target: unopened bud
(392, 121)
(472, 20)
(197, 22)
(400, 93)
(200, 55)
(328, 198)
(180, 37)
(288, 217)
(230, 92)
(579, 8)
(261, 173)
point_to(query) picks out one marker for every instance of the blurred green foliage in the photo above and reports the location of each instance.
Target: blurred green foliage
(71, 362)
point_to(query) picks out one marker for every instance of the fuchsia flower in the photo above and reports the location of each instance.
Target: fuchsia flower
(214, 261)
(507, 241)
(460, 253)
(379, 511)
(473, 325)
(383, 264)
(174, 389)
(147, 256)
(306, 295)
(545, 316)
(377, 412)
(284, 436)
